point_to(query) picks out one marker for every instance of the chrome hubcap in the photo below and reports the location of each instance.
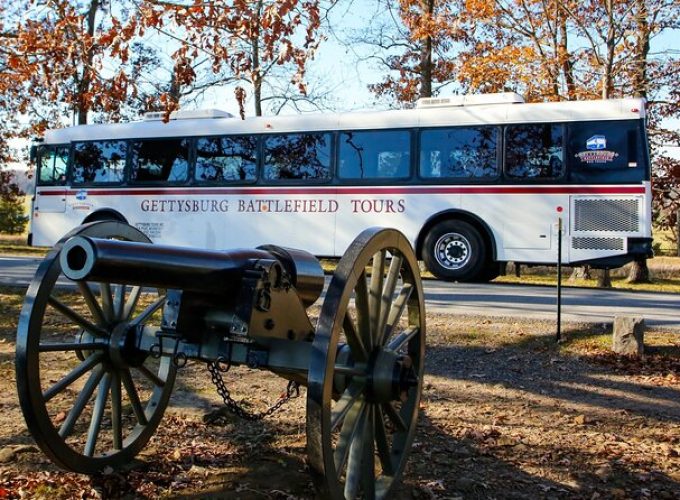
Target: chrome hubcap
(452, 251)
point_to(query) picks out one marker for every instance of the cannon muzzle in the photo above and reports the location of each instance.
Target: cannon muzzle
(206, 271)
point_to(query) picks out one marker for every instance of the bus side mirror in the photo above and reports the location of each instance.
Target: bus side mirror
(33, 153)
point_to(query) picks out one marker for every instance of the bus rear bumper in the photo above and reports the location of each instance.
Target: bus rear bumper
(638, 248)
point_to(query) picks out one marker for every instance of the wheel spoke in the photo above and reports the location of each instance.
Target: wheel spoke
(116, 412)
(397, 309)
(347, 435)
(345, 403)
(403, 339)
(375, 294)
(131, 302)
(97, 414)
(148, 312)
(152, 377)
(107, 301)
(356, 455)
(382, 443)
(134, 397)
(387, 296)
(73, 375)
(76, 318)
(91, 301)
(368, 460)
(71, 346)
(363, 311)
(81, 401)
(394, 416)
(118, 301)
(356, 345)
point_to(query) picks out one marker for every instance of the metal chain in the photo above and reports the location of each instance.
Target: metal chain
(292, 391)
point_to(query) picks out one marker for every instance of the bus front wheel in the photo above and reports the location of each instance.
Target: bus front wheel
(454, 251)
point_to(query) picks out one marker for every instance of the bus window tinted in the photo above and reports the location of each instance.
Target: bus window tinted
(534, 151)
(226, 159)
(52, 166)
(100, 162)
(297, 156)
(606, 152)
(374, 155)
(160, 160)
(464, 152)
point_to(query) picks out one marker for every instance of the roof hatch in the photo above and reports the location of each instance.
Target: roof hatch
(470, 100)
(188, 114)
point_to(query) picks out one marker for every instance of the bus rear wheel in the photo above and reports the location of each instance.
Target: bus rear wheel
(454, 251)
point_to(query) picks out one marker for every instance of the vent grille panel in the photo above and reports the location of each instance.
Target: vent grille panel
(597, 243)
(607, 215)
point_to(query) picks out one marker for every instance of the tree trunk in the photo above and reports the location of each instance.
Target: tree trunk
(426, 55)
(610, 42)
(83, 106)
(256, 70)
(643, 34)
(604, 279)
(565, 57)
(639, 272)
(580, 273)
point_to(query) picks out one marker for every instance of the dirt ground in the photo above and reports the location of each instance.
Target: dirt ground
(506, 413)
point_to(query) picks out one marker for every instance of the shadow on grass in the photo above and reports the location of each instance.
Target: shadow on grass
(597, 378)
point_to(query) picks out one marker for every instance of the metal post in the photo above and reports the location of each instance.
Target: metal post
(559, 279)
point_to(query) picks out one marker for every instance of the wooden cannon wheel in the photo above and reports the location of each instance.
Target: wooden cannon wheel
(90, 398)
(365, 372)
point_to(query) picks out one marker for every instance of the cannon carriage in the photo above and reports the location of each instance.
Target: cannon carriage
(137, 312)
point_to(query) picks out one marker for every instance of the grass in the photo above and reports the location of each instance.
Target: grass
(15, 244)
(657, 285)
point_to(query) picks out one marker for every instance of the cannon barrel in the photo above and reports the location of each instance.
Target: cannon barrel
(207, 271)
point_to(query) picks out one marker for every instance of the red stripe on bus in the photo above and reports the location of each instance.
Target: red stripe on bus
(357, 190)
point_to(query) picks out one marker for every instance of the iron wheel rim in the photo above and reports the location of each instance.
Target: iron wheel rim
(112, 382)
(325, 423)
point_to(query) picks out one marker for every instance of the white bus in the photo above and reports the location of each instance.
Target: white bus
(471, 180)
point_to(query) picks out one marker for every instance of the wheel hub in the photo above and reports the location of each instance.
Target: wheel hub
(123, 352)
(392, 375)
(452, 251)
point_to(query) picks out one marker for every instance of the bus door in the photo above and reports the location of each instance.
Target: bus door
(51, 180)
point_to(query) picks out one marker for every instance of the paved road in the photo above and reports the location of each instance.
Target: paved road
(579, 304)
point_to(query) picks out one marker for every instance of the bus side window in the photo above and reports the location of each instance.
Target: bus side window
(461, 152)
(534, 151)
(52, 165)
(375, 155)
(606, 151)
(99, 162)
(164, 160)
(226, 159)
(297, 156)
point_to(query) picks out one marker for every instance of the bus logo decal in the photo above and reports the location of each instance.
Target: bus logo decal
(596, 142)
(81, 195)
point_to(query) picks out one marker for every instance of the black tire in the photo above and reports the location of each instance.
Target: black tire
(105, 216)
(454, 250)
(490, 272)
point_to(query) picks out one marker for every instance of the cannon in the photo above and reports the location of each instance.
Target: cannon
(94, 383)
